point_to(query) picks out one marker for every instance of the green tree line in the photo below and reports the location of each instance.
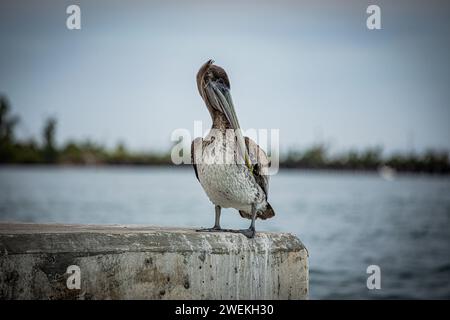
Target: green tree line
(318, 157)
(31, 151)
(46, 151)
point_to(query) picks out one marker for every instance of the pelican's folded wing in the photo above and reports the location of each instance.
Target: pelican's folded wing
(260, 163)
(196, 153)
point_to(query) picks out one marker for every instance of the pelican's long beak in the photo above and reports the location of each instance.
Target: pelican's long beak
(226, 103)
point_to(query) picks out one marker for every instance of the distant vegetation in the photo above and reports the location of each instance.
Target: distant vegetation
(318, 157)
(46, 151)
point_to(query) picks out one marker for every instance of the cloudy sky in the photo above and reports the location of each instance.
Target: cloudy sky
(309, 68)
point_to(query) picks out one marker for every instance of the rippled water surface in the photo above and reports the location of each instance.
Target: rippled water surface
(347, 221)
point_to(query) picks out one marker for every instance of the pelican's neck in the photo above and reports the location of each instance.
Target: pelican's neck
(220, 122)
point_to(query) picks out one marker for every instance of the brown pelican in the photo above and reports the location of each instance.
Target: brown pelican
(232, 170)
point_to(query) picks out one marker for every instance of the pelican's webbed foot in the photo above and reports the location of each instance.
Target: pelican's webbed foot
(213, 229)
(249, 233)
(216, 227)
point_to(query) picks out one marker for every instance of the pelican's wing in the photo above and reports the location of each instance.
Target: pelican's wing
(196, 150)
(260, 164)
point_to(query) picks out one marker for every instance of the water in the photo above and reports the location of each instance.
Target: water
(347, 221)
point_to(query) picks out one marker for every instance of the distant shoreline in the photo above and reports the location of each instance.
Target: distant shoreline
(46, 152)
(188, 166)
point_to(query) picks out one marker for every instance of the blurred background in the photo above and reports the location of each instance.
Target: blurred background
(86, 118)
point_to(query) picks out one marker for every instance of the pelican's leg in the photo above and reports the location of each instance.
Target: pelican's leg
(216, 227)
(250, 232)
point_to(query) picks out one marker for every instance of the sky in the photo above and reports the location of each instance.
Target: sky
(311, 69)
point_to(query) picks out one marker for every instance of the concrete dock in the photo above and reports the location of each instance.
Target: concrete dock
(52, 261)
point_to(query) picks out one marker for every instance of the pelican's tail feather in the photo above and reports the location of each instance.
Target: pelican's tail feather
(266, 214)
(262, 214)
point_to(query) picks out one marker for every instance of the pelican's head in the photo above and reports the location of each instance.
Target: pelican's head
(210, 76)
(214, 87)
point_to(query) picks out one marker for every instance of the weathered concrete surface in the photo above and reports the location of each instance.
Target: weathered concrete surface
(129, 262)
